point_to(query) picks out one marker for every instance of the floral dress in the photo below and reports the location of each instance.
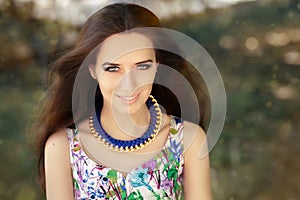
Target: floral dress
(159, 178)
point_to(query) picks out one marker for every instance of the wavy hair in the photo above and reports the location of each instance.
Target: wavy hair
(56, 107)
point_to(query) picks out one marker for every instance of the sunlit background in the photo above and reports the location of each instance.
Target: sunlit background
(255, 44)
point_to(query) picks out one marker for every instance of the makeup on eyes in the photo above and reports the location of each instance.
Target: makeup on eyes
(113, 67)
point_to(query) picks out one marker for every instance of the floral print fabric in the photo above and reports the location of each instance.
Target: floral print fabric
(158, 178)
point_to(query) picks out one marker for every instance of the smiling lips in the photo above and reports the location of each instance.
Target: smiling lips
(128, 99)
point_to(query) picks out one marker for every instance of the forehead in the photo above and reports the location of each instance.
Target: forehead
(122, 44)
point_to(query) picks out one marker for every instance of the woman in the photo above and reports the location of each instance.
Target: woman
(102, 134)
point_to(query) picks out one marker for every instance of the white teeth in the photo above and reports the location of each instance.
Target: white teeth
(128, 98)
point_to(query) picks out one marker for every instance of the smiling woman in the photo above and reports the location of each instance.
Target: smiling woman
(103, 135)
(126, 80)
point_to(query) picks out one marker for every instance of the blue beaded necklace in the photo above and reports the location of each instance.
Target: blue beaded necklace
(129, 145)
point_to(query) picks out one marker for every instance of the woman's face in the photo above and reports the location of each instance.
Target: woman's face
(125, 70)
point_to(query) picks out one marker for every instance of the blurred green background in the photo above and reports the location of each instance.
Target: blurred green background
(256, 46)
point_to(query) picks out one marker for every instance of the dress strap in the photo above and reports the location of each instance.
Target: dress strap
(73, 142)
(176, 127)
(175, 140)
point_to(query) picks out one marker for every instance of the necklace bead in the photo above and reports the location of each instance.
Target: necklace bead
(128, 145)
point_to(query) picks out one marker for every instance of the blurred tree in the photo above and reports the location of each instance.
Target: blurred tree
(254, 44)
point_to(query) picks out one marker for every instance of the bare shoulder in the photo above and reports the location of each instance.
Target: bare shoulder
(57, 149)
(58, 141)
(196, 163)
(194, 138)
(58, 175)
(192, 128)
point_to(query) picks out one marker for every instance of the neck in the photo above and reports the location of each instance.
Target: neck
(124, 125)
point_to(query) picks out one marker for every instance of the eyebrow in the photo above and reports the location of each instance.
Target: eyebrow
(138, 63)
(145, 61)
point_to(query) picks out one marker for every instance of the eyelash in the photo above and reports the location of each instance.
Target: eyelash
(112, 69)
(143, 66)
(139, 67)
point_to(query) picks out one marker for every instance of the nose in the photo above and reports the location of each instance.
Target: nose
(128, 82)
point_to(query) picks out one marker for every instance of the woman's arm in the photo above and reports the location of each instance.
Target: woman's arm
(59, 185)
(196, 165)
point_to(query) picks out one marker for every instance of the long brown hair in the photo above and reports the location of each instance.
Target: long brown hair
(56, 107)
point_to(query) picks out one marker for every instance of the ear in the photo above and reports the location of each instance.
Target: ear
(157, 64)
(93, 71)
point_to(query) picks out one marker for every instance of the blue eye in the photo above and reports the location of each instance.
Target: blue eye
(112, 69)
(143, 66)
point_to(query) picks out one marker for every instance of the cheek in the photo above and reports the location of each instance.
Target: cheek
(107, 84)
(146, 76)
(147, 88)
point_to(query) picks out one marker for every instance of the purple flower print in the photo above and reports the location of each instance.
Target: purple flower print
(166, 184)
(151, 165)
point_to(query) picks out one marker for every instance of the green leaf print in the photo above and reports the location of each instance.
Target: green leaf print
(167, 165)
(76, 184)
(156, 196)
(135, 196)
(110, 195)
(123, 195)
(172, 173)
(177, 187)
(112, 175)
(173, 131)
